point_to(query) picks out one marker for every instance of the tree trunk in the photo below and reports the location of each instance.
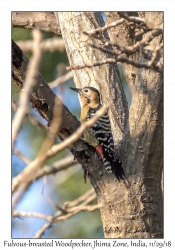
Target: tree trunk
(134, 212)
(144, 145)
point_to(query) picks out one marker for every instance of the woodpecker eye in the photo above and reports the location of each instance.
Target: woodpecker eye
(86, 90)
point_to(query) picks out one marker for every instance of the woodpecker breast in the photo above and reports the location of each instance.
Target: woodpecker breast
(99, 131)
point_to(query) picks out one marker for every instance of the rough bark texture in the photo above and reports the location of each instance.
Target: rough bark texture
(144, 142)
(79, 52)
(44, 21)
(134, 212)
(123, 34)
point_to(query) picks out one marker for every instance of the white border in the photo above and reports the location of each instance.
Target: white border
(5, 96)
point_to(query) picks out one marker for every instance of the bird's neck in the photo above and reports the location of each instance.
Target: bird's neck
(85, 109)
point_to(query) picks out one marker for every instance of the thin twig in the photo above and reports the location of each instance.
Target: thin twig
(30, 81)
(58, 218)
(56, 167)
(101, 29)
(33, 120)
(132, 49)
(154, 56)
(123, 58)
(48, 217)
(157, 67)
(27, 215)
(70, 212)
(85, 208)
(79, 199)
(60, 215)
(138, 20)
(40, 232)
(51, 44)
(24, 158)
(61, 79)
(119, 58)
(56, 206)
(89, 199)
(89, 65)
(18, 195)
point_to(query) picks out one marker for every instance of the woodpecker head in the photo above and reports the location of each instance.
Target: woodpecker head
(88, 96)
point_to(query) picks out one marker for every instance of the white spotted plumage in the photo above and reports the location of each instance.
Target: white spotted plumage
(100, 133)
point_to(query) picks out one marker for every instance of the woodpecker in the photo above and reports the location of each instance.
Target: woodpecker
(99, 135)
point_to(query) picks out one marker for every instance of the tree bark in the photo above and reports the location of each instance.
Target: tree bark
(79, 52)
(125, 37)
(144, 143)
(44, 21)
(134, 212)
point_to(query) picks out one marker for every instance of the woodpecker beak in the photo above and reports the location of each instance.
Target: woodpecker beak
(76, 89)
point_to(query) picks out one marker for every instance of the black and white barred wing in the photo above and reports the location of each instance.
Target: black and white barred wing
(102, 131)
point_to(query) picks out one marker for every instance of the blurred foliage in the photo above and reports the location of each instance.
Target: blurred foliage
(29, 143)
(49, 60)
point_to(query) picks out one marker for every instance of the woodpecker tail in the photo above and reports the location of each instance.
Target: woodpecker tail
(116, 168)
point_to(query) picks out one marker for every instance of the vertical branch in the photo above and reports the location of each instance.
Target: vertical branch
(125, 37)
(144, 141)
(73, 25)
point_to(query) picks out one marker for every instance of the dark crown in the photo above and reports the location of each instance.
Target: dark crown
(93, 89)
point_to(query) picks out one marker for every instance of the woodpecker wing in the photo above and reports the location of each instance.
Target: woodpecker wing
(102, 131)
